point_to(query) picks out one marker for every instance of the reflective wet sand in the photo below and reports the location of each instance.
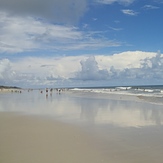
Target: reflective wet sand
(108, 129)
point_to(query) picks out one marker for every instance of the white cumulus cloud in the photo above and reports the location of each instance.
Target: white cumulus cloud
(6, 72)
(91, 71)
(130, 68)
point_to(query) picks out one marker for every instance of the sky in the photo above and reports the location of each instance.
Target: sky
(74, 43)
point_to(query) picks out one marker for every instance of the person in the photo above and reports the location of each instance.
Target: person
(46, 90)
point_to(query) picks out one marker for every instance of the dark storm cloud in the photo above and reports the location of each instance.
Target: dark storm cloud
(60, 11)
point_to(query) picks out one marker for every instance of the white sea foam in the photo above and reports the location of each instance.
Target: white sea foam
(152, 92)
(123, 88)
(149, 90)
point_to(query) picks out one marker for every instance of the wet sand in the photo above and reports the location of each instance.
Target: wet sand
(71, 128)
(28, 139)
(31, 139)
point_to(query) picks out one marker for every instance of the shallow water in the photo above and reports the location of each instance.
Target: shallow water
(84, 109)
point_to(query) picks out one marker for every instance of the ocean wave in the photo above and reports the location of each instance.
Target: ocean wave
(152, 92)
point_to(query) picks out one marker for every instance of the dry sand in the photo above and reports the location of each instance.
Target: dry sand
(28, 139)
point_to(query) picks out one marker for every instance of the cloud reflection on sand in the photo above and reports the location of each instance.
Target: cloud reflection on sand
(82, 109)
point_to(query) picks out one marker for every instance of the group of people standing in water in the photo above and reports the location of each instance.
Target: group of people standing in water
(50, 91)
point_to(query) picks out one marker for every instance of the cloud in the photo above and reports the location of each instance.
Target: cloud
(158, 1)
(150, 68)
(129, 12)
(153, 67)
(132, 68)
(6, 72)
(123, 2)
(90, 70)
(21, 34)
(41, 71)
(59, 11)
(150, 7)
(116, 29)
(129, 68)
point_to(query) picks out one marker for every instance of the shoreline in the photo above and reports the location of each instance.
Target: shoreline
(155, 100)
(109, 95)
(116, 96)
(120, 96)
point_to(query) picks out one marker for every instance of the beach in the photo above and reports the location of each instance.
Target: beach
(35, 140)
(79, 128)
